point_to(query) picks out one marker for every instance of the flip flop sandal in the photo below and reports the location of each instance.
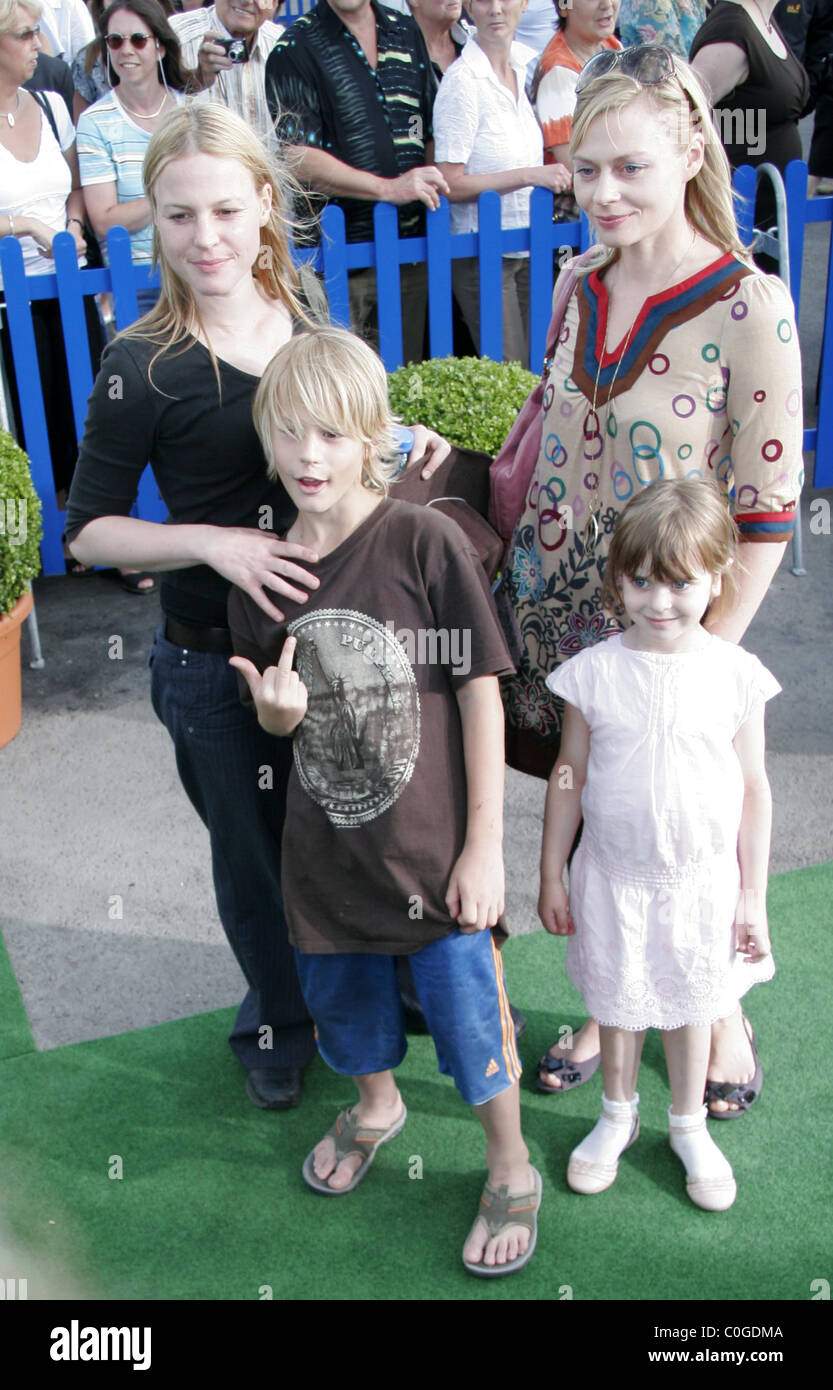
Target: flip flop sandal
(743, 1093)
(500, 1211)
(350, 1137)
(133, 582)
(571, 1073)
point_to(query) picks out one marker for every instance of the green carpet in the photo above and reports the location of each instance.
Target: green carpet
(211, 1203)
(15, 1033)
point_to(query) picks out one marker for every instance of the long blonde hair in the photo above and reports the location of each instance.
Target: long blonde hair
(215, 130)
(709, 205)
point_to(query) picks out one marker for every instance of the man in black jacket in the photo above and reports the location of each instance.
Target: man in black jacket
(351, 85)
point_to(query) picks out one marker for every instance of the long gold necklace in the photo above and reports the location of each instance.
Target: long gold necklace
(143, 116)
(590, 535)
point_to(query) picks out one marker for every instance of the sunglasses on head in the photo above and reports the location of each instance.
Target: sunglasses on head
(115, 41)
(647, 63)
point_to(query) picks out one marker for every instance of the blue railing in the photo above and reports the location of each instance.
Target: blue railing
(334, 259)
(291, 9)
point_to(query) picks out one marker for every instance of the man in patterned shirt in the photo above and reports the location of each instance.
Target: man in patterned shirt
(238, 85)
(351, 85)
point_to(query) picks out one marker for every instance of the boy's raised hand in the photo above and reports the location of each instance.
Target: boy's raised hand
(554, 908)
(475, 890)
(280, 696)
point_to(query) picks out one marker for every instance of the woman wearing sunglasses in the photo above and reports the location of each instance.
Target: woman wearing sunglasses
(40, 195)
(676, 358)
(143, 61)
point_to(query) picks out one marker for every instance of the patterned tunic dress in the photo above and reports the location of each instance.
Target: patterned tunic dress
(708, 384)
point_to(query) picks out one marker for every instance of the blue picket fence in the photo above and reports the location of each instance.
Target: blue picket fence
(334, 258)
(291, 9)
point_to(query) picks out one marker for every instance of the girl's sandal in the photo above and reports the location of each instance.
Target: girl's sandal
(499, 1211)
(350, 1136)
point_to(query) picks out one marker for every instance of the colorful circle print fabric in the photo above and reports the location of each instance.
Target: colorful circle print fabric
(708, 384)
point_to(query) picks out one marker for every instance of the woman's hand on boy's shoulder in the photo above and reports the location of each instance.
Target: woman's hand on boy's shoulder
(280, 696)
(475, 895)
(256, 560)
(430, 448)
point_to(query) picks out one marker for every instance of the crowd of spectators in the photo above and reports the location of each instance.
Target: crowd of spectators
(362, 103)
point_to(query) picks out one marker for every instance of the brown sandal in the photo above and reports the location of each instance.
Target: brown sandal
(350, 1136)
(499, 1211)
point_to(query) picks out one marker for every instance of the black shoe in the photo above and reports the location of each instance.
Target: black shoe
(274, 1088)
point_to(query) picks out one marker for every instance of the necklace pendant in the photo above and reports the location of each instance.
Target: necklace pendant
(10, 119)
(590, 535)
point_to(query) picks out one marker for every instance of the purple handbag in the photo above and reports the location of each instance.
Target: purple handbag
(512, 470)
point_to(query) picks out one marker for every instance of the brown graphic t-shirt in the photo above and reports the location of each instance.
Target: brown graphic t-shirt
(376, 806)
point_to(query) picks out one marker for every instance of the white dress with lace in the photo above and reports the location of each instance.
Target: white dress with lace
(654, 883)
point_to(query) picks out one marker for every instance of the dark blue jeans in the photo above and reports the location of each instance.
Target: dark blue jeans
(226, 762)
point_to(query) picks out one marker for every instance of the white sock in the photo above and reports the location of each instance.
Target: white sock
(692, 1142)
(613, 1129)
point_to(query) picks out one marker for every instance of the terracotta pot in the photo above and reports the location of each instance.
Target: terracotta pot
(10, 685)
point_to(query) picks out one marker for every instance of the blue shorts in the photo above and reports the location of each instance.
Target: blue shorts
(355, 1001)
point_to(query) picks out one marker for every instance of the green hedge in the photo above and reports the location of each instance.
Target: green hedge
(472, 401)
(20, 524)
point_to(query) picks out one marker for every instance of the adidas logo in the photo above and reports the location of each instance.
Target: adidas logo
(492, 1068)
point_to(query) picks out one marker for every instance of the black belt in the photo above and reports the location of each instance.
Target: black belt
(198, 639)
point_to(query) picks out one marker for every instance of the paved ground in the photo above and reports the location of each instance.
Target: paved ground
(91, 810)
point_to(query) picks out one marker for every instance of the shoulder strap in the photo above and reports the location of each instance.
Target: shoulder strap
(46, 108)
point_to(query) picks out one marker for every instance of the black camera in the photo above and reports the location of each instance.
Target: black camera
(236, 49)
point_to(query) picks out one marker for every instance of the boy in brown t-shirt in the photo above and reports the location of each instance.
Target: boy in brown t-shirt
(393, 835)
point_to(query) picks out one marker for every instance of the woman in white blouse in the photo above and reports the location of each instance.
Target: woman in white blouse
(40, 195)
(486, 137)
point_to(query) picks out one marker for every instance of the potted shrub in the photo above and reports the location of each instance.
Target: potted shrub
(20, 537)
(472, 401)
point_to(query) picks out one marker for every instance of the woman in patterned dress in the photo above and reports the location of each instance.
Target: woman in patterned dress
(677, 358)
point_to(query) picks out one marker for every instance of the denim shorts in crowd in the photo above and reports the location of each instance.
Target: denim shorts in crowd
(355, 1001)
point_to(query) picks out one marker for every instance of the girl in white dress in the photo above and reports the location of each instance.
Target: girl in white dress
(663, 755)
